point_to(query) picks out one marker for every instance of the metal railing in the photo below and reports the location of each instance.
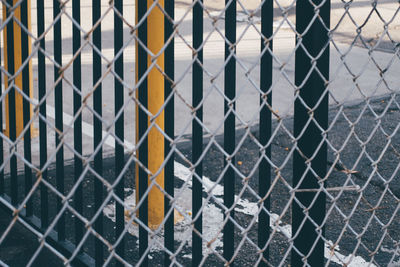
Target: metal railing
(153, 160)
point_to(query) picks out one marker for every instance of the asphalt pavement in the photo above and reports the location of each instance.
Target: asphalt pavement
(364, 116)
(375, 205)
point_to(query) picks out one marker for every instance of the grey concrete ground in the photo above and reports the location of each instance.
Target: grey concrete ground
(376, 77)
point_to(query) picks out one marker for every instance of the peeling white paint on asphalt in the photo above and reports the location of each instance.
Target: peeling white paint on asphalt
(189, 256)
(185, 174)
(213, 216)
(350, 260)
(395, 262)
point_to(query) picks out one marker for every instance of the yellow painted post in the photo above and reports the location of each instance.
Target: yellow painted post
(17, 65)
(155, 83)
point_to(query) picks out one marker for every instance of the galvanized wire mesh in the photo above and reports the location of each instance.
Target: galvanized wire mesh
(279, 131)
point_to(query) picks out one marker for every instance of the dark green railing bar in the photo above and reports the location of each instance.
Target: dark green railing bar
(58, 100)
(142, 128)
(197, 132)
(11, 104)
(169, 67)
(97, 128)
(314, 40)
(267, 15)
(119, 123)
(26, 106)
(229, 126)
(77, 102)
(44, 208)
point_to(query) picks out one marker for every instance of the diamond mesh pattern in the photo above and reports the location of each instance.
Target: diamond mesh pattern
(360, 140)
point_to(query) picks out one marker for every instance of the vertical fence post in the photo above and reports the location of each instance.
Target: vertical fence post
(311, 54)
(17, 60)
(169, 129)
(9, 63)
(77, 99)
(267, 14)
(17, 45)
(58, 100)
(197, 132)
(97, 126)
(119, 124)
(155, 42)
(27, 85)
(155, 101)
(44, 208)
(141, 127)
(151, 96)
(229, 126)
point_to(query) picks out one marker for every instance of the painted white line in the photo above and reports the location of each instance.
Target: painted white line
(251, 208)
(213, 49)
(213, 216)
(395, 262)
(350, 260)
(87, 129)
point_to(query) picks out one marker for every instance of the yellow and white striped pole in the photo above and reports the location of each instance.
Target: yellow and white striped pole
(17, 65)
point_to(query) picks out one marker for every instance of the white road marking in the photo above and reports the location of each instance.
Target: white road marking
(251, 208)
(87, 129)
(212, 215)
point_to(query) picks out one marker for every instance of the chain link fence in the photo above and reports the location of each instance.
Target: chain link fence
(200, 132)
